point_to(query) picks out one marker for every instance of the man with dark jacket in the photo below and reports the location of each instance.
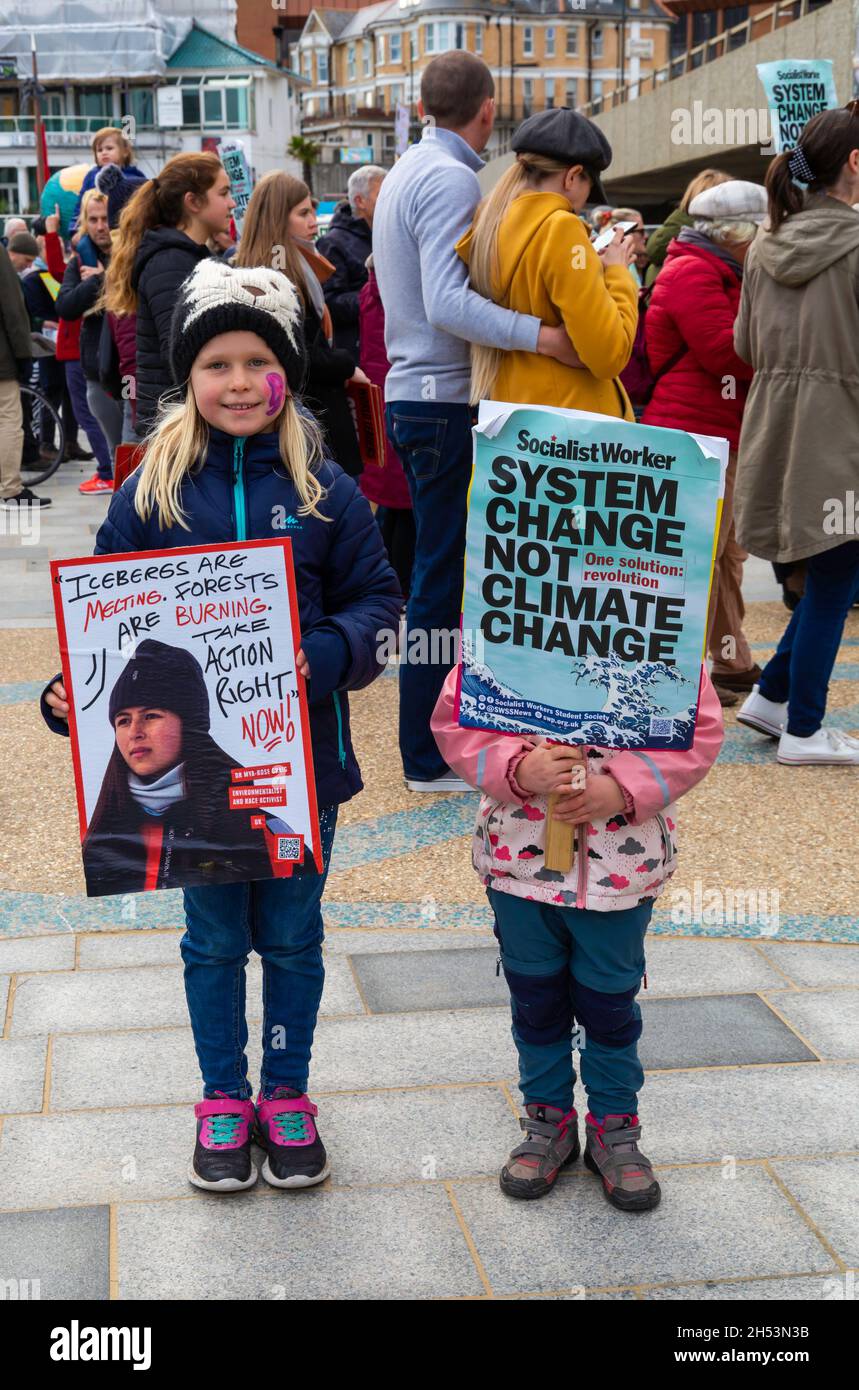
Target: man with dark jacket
(16, 350)
(347, 244)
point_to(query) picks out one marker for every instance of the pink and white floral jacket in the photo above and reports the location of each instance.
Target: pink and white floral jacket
(627, 859)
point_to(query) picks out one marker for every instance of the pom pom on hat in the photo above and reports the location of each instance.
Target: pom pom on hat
(222, 298)
(118, 187)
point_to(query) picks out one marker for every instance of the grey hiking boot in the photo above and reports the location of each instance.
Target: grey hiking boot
(612, 1152)
(552, 1142)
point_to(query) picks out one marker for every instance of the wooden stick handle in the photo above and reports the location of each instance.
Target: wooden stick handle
(560, 837)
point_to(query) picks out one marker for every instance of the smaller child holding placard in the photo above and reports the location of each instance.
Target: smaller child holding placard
(239, 460)
(572, 944)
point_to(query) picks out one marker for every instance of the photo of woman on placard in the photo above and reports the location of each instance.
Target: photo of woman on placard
(163, 818)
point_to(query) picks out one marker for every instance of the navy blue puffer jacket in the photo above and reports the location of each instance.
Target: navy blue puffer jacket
(347, 591)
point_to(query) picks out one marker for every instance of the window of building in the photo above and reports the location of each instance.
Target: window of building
(550, 93)
(380, 49)
(322, 65)
(350, 61)
(528, 41)
(478, 38)
(527, 96)
(396, 47)
(597, 43)
(570, 93)
(307, 64)
(141, 106)
(368, 59)
(443, 37)
(550, 42)
(8, 190)
(459, 41)
(190, 106)
(396, 94)
(95, 101)
(352, 103)
(572, 42)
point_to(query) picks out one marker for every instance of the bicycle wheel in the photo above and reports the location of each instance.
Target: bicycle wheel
(44, 437)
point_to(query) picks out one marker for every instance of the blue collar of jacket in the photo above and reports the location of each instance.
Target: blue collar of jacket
(455, 145)
(87, 250)
(261, 451)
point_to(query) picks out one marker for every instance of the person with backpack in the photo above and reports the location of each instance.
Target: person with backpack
(701, 384)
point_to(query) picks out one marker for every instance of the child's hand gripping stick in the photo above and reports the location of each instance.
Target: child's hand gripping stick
(561, 835)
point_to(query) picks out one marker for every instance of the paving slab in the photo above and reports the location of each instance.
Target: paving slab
(37, 953)
(716, 1030)
(96, 1000)
(107, 950)
(825, 1189)
(811, 963)
(22, 1074)
(706, 967)
(351, 941)
(64, 1252)
(798, 1290)
(403, 981)
(705, 1228)
(748, 1112)
(143, 1068)
(829, 1019)
(159, 1066)
(382, 1244)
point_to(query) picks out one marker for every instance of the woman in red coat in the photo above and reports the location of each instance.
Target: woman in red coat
(386, 489)
(702, 384)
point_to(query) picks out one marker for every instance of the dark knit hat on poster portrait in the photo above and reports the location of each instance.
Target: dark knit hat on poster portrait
(162, 677)
(569, 137)
(220, 298)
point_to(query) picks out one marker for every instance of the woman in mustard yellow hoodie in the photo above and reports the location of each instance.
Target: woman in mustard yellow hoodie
(528, 250)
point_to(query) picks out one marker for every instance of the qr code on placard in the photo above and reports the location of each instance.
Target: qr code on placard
(661, 728)
(289, 847)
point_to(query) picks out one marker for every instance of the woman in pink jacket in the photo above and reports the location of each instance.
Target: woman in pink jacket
(572, 945)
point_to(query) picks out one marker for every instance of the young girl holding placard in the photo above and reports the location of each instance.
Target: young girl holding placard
(228, 464)
(572, 944)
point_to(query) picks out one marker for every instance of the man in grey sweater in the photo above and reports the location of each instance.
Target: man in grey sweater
(431, 318)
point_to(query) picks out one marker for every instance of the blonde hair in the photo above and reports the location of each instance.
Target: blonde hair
(121, 139)
(180, 442)
(708, 178)
(92, 195)
(527, 172)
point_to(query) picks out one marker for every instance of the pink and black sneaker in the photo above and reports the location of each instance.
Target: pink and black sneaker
(222, 1157)
(612, 1152)
(295, 1154)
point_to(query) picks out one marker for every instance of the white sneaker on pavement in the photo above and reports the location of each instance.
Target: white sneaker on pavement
(826, 746)
(762, 714)
(440, 784)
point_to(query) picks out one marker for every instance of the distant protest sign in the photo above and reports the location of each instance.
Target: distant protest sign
(589, 557)
(796, 90)
(188, 719)
(234, 160)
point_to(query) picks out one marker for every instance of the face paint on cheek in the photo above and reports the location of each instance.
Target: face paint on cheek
(276, 393)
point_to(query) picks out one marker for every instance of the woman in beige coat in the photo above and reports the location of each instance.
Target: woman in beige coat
(798, 468)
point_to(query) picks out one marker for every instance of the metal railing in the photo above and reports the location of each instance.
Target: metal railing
(65, 125)
(754, 27)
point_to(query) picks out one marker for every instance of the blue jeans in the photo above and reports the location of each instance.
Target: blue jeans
(800, 670)
(567, 966)
(76, 382)
(279, 918)
(433, 441)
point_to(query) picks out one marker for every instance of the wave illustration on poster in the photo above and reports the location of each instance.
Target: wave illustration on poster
(630, 696)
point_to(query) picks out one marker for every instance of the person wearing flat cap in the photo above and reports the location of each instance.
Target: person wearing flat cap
(689, 331)
(528, 250)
